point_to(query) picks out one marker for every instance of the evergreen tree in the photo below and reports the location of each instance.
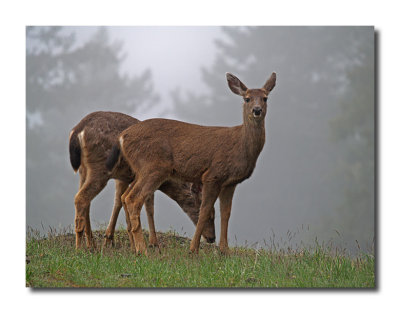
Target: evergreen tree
(66, 80)
(297, 173)
(353, 129)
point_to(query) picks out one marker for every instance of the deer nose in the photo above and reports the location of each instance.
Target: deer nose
(257, 111)
(210, 239)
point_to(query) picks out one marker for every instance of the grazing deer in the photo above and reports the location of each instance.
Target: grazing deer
(89, 144)
(219, 158)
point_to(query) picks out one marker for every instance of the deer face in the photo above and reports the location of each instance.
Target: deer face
(255, 103)
(255, 100)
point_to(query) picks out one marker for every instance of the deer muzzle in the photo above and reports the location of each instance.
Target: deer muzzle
(257, 111)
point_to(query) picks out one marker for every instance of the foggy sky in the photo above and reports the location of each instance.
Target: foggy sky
(174, 54)
(295, 187)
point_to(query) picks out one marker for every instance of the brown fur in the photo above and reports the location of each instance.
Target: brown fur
(219, 158)
(90, 143)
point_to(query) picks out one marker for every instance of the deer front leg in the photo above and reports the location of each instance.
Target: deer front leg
(225, 199)
(120, 188)
(210, 194)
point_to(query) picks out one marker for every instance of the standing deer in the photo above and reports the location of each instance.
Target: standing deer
(219, 158)
(90, 142)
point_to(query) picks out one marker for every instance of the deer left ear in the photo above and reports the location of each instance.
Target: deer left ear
(270, 84)
(236, 85)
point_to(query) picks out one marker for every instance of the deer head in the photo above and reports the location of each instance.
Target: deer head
(255, 100)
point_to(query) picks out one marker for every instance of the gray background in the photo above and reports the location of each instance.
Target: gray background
(313, 180)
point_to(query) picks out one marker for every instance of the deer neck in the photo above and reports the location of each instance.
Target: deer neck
(180, 192)
(253, 134)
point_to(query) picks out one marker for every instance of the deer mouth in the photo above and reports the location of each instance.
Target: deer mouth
(210, 239)
(257, 112)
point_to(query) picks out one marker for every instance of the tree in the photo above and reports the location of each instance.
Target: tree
(295, 181)
(66, 80)
(353, 129)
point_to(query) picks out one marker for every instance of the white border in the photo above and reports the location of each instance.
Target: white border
(16, 14)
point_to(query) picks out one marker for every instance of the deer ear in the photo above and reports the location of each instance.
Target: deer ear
(270, 84)
(236, 85)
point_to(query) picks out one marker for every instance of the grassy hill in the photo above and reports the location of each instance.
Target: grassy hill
(53, 262)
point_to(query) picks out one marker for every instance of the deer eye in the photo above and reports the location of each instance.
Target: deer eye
(247, 99)
(265, 99)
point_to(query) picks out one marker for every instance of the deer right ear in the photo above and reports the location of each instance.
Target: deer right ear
(236, 85)
(270, 84)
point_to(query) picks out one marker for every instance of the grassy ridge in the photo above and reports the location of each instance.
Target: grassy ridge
(53, 262)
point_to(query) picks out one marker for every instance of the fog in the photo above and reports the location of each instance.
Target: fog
(314, 180)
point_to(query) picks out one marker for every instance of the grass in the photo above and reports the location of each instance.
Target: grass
(53, 262)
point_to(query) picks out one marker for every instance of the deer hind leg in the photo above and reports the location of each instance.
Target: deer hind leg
(88, 190)
(225, 199)
(120, 188)
(210, 194)
(149, 205)
(90, 243)
(128, 221)
(141, 190)
(79, 228)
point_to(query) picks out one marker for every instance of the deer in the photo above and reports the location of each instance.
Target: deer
(90, 142)
(217, 158)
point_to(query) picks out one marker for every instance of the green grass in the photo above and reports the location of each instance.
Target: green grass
(53, 262)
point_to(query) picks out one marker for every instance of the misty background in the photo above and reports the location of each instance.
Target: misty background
(315, 175)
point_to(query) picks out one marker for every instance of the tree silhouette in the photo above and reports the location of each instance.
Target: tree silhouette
(65, 80)
(297, 177)
(353, 128)
(309, 57)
